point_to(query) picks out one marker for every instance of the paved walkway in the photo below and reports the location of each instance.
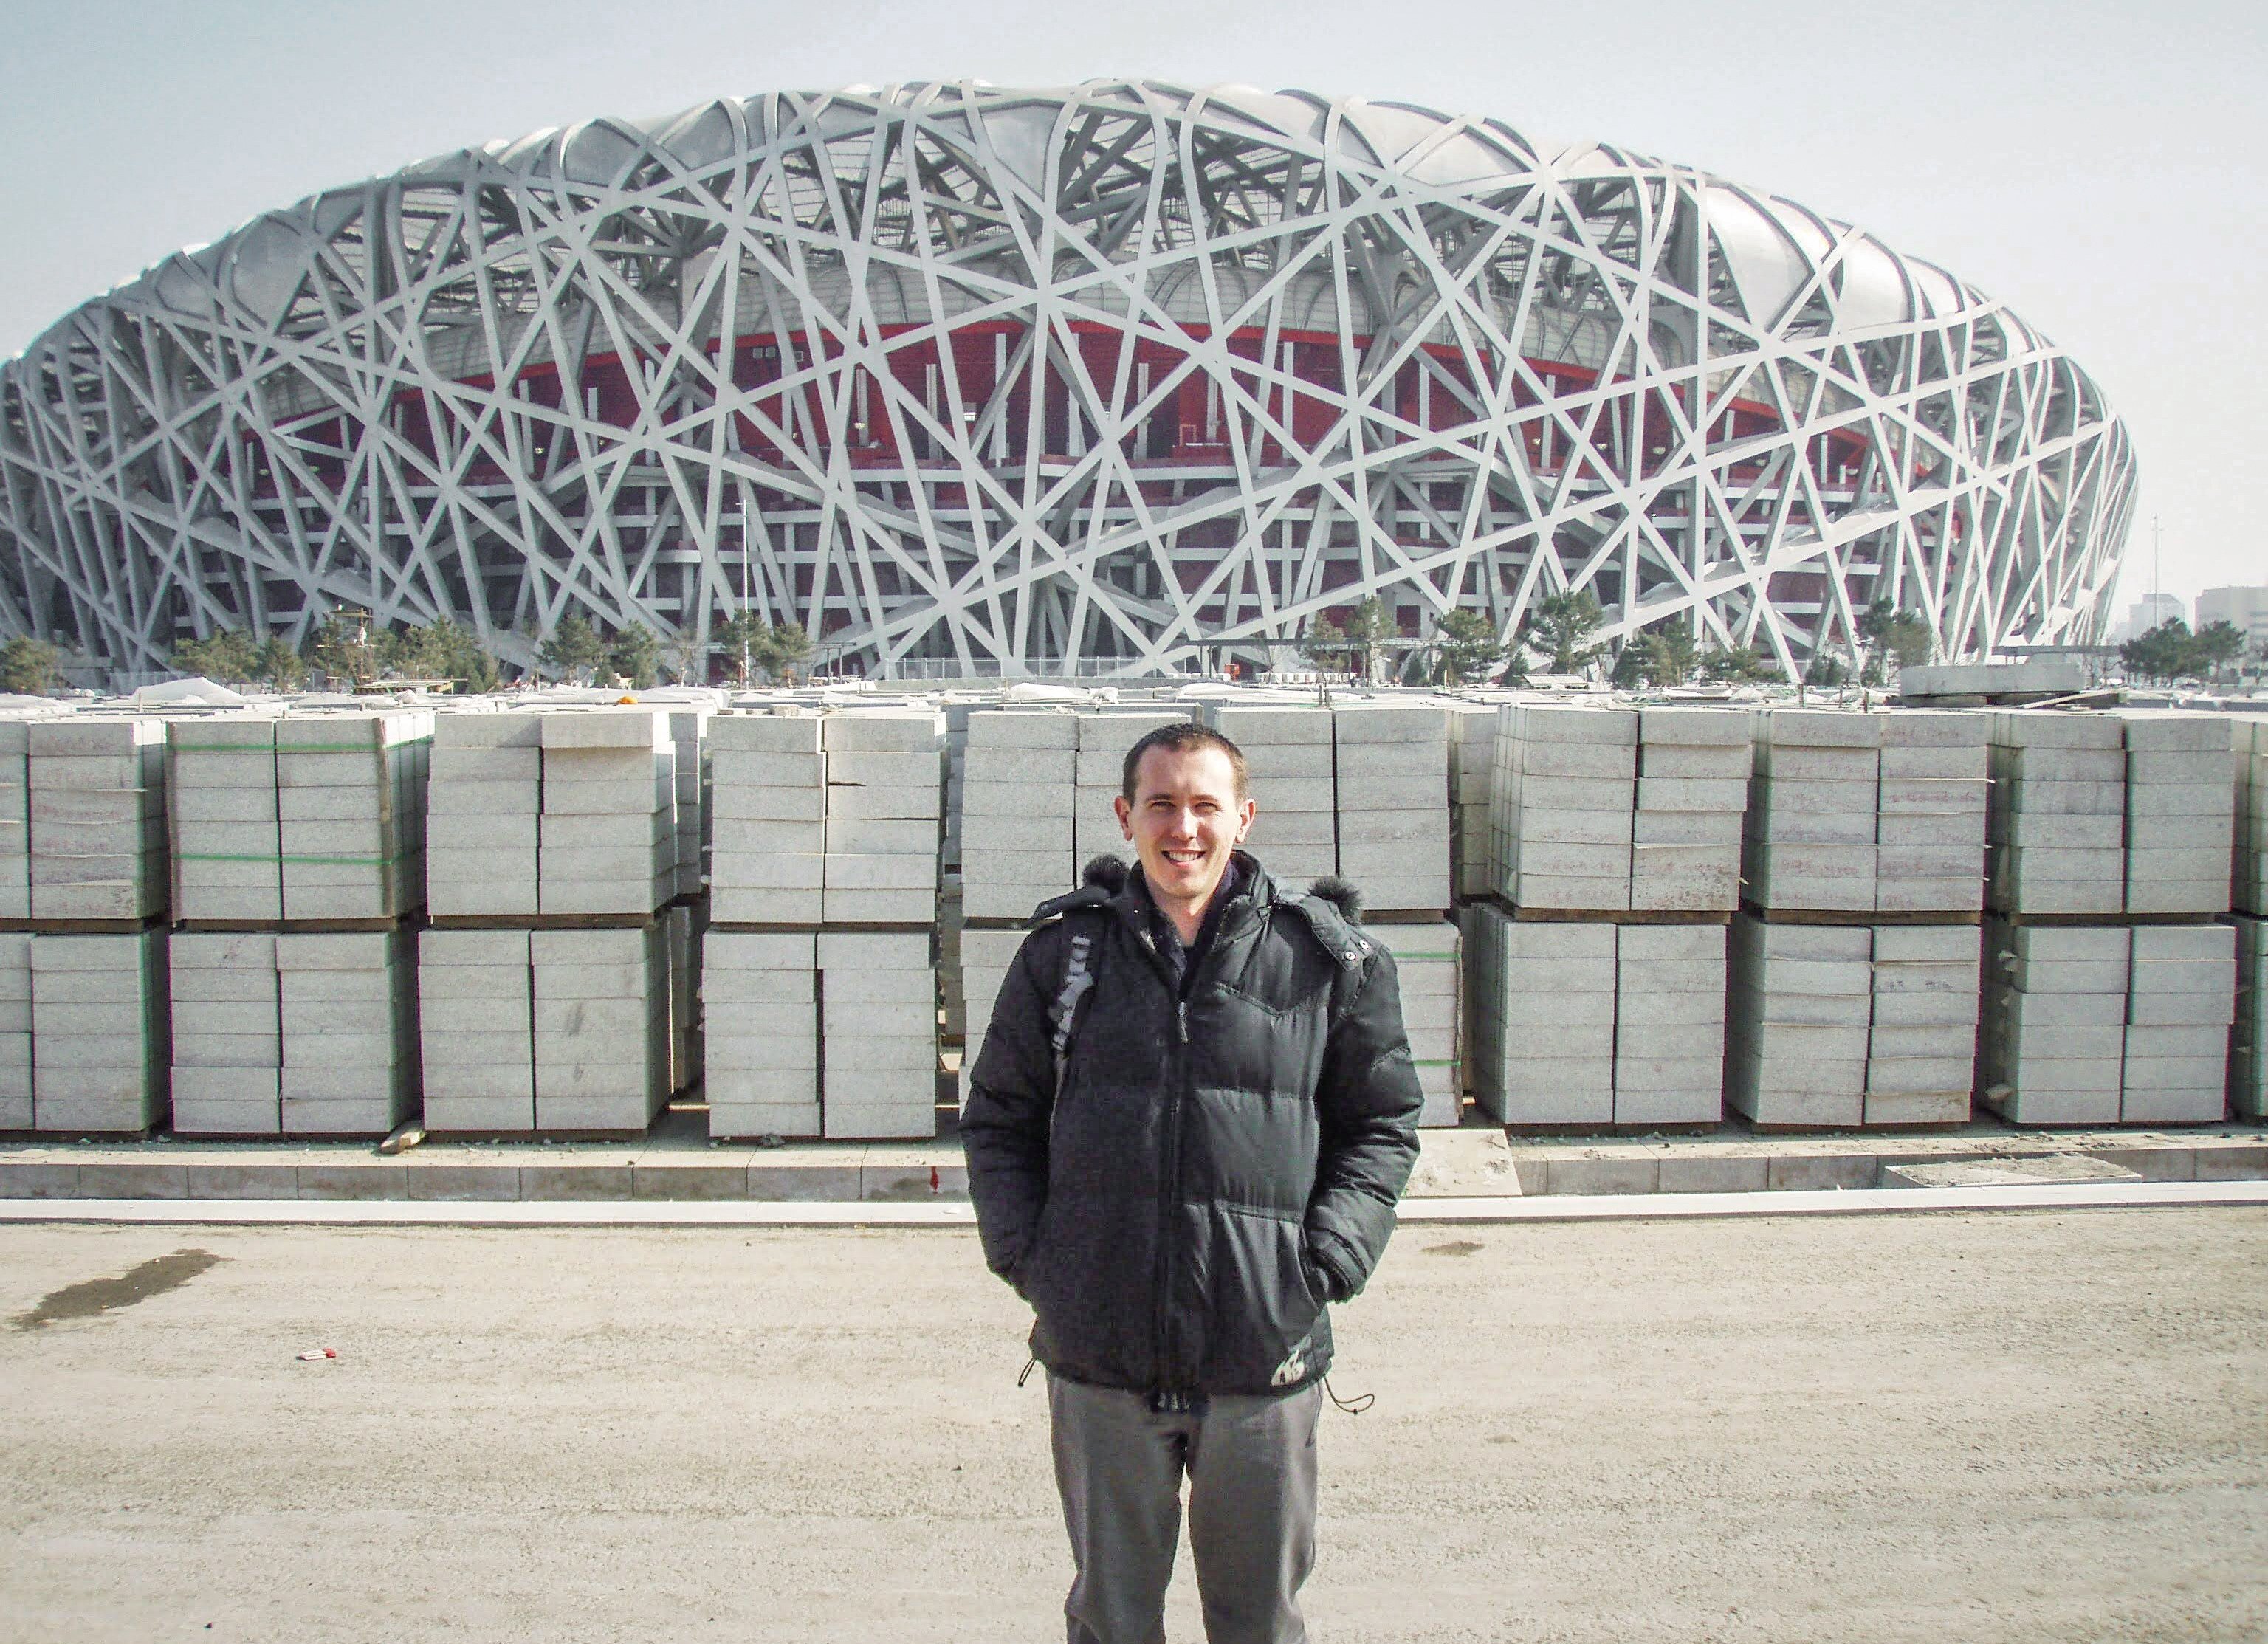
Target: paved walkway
(1779, 1431)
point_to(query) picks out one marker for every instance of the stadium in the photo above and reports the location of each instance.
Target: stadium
(1121, 379)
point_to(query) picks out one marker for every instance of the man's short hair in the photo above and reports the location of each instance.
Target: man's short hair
(1183, 738)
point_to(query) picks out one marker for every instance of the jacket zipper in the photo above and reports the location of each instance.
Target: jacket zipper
(1169, 1200)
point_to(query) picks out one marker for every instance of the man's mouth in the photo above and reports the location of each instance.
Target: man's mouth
(1186, 859)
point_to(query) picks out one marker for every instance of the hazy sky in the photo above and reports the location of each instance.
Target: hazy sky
(2103, 168)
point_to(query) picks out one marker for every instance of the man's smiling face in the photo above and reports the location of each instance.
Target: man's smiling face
(1186, 817)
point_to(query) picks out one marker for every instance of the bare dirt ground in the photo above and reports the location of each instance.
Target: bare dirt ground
(2032, 1427)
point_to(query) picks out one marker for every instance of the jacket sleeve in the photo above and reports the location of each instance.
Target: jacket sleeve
(1368, 1101)
(1004, 1129)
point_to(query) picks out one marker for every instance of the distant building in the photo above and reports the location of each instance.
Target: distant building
(2145, 614)
(2245, 607)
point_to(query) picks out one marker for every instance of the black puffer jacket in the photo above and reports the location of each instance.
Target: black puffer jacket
(1215, 1169)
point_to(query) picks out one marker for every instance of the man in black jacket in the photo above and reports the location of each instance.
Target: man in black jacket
(1186, 1133)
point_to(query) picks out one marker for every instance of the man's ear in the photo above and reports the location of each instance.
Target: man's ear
(1125, 815)
(1244, 812)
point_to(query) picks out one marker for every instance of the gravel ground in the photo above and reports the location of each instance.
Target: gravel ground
(1936, 1428)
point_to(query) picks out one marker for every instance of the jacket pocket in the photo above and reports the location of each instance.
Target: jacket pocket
(1265, 1302)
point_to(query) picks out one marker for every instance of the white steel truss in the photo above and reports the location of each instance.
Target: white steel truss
(970, 380)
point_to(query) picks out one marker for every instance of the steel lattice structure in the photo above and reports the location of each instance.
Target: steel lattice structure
(971, 380)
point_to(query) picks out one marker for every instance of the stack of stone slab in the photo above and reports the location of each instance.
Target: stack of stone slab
(1921, 1037)
(1930, 814)
(1617, 840)
(1566, 794)
(99, 1027)
(885, 811)
(1850, 1025)
(2180, 813)
(483, 798)
(476, 1014)
(1103, 740)
(2054, 1040)
(877, 1025)
(1587, 1023)
(1428, 964)
(1685, 833)
(2108, 1025)
(2057, 823)
(348, 1032)
(601, 1003)
(986, 957)
(351, 811)
(15, 819)
(2250, 879)
(606, 831)
(2248, 1061)
(1019, 775)
(1811, 830)
(2181, 1005)
(1392, 765)
(15, 1031)
(1472, 778)
(1288, 762)
(1801, 1001)
(548, 1031)
(768, 827)
(227, 1025)
(97, 801)
(688, 735)
(2110, 992)
(1543, 997)
(1670, 1025)
(228, 835)
(760, 1009)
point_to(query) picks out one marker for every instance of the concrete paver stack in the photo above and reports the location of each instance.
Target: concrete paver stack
(1617, 849)
(1693, 788)
(1103, 740)
(760, 1004)
(483, 798)
(851, 1051)
(477, 1015)
(2248, 1062)
(884, 816)
(350, 808)
(1542, 994)
(1472, 778)
(767, 825)
(606, 832)
(1392, 765)
(1019, 779)
(2248, 1066)
(1427, 963)
(97, 793)
(223, 809)
(572, 938)
(2112, 837)
(97, 876)
(2250, 877)
(99, 1031)
(1854, 975)
(299, 852)
(15, 819)
(1290, 759)
(15, 1030)
(348, 1032)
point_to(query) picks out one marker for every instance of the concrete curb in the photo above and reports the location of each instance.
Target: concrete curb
(1415, 1212)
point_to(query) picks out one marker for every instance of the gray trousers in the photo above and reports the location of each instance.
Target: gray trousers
(1251, 1467)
